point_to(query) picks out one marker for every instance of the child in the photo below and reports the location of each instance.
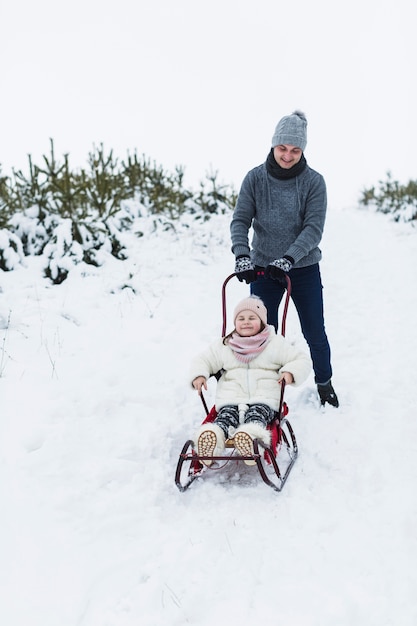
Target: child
(253, 360)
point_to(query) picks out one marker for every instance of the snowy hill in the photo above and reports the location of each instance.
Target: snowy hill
(96, 405)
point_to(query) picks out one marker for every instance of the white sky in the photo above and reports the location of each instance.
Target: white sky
(204, 84)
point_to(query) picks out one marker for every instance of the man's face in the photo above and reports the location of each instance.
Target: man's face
(286, 156)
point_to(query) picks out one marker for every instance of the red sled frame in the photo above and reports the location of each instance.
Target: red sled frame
(190, 466)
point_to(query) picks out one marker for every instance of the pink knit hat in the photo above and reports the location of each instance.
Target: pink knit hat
(253, 303)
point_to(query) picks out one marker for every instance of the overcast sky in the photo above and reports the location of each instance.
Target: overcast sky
(203, 84)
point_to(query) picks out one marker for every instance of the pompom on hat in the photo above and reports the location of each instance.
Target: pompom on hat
(291, 130)
(253, 303)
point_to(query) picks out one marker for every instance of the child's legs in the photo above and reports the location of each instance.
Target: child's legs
(261, 414)
(227, 416)
(256, 420)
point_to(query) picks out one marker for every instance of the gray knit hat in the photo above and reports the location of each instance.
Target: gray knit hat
(291, 130)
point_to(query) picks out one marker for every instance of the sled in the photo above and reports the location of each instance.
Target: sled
(274, 462)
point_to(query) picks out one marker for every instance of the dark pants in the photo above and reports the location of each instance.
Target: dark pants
(307, 295)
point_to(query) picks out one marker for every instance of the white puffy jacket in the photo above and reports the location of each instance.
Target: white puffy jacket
(254, 382)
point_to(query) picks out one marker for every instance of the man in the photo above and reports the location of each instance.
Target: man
(285, 202)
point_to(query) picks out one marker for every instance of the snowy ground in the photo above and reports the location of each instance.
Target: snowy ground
(95, 406)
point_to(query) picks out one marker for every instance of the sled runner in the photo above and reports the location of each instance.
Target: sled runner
(274, 462)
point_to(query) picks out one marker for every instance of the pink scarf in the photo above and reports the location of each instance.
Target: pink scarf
(247, 348)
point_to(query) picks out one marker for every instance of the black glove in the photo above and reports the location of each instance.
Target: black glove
(277, 270)
(245, 269)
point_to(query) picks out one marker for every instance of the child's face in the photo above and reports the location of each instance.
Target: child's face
(247, 323)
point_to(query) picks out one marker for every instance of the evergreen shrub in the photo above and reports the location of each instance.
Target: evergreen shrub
(393, 198)
(72, 216)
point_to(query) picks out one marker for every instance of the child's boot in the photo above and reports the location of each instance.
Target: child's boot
(210, 439)
(244, 437)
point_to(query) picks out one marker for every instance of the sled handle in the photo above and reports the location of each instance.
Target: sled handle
(283, 325)
(284, 313)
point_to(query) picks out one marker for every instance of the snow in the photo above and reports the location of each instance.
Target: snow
(95, 407)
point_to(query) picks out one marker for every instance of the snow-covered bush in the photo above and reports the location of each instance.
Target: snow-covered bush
(71, 244)
(70, 217)
(11, 250)
(62, 252)
(393, 198)
(33, 232)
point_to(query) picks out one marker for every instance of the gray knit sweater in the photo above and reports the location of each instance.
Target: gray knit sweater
(287, 217)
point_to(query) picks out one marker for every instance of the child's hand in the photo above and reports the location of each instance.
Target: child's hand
(287, 376)
(198, 383)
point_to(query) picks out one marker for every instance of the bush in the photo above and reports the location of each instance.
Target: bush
(11, 251)
(71, 217)
(393, 198)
